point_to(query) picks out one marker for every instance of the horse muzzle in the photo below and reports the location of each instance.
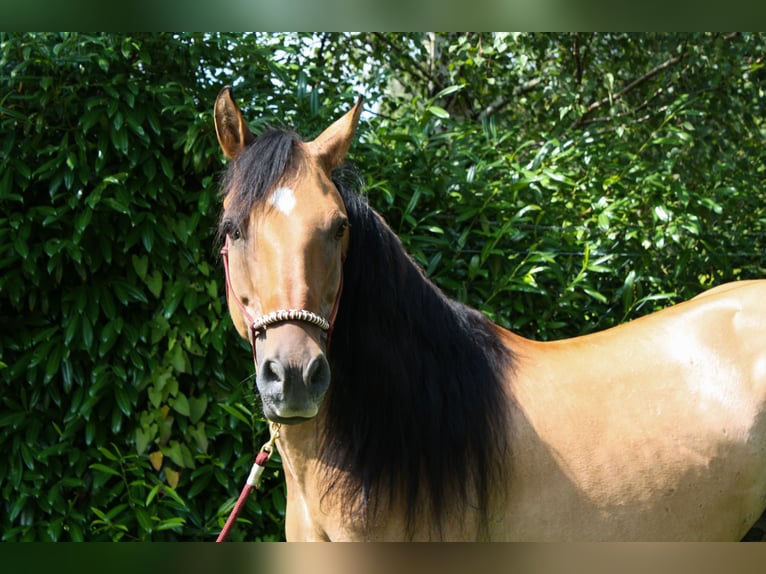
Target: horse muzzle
(293, 373)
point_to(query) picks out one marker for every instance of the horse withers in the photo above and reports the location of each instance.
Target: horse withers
(407, 415)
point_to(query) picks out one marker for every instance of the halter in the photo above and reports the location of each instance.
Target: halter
(258, 325)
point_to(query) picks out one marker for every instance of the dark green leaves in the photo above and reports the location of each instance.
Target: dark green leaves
(114, 339)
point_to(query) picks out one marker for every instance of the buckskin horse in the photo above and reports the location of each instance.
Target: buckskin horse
(407, 415)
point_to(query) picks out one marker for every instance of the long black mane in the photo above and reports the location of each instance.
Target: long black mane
(416, 411)
(416, 408)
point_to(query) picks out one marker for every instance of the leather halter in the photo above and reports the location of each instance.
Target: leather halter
(258, 325)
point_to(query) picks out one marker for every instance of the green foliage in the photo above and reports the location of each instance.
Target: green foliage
(561, 183)
(122, 371)
(564, 183)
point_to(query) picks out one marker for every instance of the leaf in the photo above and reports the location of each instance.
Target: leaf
(171, 523)
(181, 404)
(54, 361)
(662, 213)
(119, 139)
(16, 507)
(449, 90)
(144, 436)
(117, 205)
(107, 304)
(21, 247)
(105, 469)
(114, 512)
(178, 359)
(200, 437)
(154, 282)
(12, 419)
(140, 265)
(123, 400)
(197, 408)
(172, 477)
(127, 293)
(109, 335)
(156, 459)
(155, 396)
(439, 112)
(152, 494)
(595, 294)
(87, 333)
(108, 454)
(174, 298)
(236, 413)
(82, 220)
(173, 452)
(144, 521)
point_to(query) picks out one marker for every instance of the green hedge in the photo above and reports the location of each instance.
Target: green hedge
(127, 408)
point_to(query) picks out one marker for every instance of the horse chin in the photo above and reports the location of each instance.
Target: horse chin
(288, 416)
(289, 420)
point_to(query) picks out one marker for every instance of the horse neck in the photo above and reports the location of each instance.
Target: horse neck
(417, 404)
(298, 446)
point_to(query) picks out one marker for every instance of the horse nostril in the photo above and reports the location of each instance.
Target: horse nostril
(318, 373)
(272, 371)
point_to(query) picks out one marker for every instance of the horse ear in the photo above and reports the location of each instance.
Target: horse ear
(230, 127)
(331, 146)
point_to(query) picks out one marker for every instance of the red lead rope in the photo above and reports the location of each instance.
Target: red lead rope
(253, 480)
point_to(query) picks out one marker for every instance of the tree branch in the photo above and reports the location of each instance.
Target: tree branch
(420, 70)
(627, 89)
(518, 91)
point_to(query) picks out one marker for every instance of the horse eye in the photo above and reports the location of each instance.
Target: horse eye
(341, 229)
(231, 230)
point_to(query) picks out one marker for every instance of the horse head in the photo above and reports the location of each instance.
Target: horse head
(286, 236)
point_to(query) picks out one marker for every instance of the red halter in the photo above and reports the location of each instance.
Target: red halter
(257, 325)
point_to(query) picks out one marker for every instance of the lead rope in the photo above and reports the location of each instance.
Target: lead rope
(264, 455)
(253, 481)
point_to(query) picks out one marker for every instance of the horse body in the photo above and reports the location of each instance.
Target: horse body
(653, 430)
(425, 421)
(601, 450)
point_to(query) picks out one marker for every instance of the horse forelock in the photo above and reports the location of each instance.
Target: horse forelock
(248, 179)
(416, 410)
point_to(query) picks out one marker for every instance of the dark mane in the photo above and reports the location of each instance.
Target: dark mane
(416, 409)
(254, 173)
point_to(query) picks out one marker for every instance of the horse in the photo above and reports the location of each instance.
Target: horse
(406, 415)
